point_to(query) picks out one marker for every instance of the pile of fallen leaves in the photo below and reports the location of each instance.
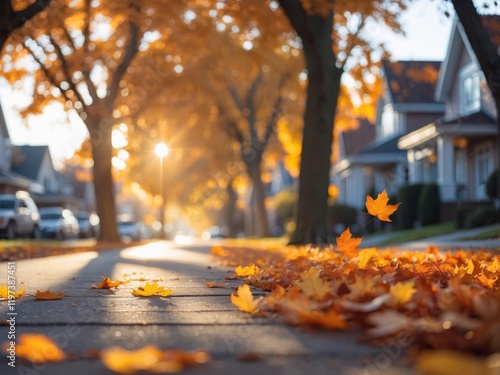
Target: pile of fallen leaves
(418, 300)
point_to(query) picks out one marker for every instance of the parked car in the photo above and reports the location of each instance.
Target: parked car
(130, 229)
(88, 224)
(19, 216)
(58, 222)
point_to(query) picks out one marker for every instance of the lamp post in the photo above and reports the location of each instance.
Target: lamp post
(161, 150)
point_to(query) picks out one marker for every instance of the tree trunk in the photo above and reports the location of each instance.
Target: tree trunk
(322, 93)
(230, 210)
(261, 224)
(102, 152)
(487, 55)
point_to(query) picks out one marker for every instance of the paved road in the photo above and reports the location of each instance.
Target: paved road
(196, 317)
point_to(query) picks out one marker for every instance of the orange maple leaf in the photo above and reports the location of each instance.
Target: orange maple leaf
(348, 245)
(37, 348)
(379, 207)
(4, 292)
(312, 285)
(213, 284)
(107, 283)
(150, 359)
(246, 271)
(48, 295)
(243, 299)
(153, 289)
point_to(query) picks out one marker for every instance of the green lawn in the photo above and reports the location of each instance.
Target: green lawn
(486, 235)
(419, 233)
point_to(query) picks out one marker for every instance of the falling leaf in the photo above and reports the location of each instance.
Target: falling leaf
(244, 300)
(348, 245)
(48, 295)
(37, 348)
(213, 284)
(313, 285)
(4, 292)
(448, 362)
(379, 207)
(150, 359)
(246, 271)
(402, 293)
(107, 283)
(153, 289)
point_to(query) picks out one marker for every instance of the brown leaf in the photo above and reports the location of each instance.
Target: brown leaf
(48, 295)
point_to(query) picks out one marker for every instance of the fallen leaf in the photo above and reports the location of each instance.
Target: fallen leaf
(331, 319)
(402, 293)
(244, 300)
(37, 348)
(48, 295)
(313, 285)
(448, 362)
(153, 289)
(107, 283)
(150, 359)
(365, 256)
(4, 292)
(246, 271)
(379, 207)
(348, 245)
(213, 284)
(387, 322)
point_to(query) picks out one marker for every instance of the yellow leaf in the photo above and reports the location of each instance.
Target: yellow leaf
(4, 292)
(348, 245)
(219, 251)
(402, 293)
(448, 362)
(150, 359)
(48, 295)
(494, 266)
(153, 289)
(246, 271)
(107, 283)
(379, 207)
(488, 282)
(244, 300)
(37, 348)
(312, 285)
(365, 256)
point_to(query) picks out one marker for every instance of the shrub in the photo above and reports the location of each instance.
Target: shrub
(340, 214)
(429, 205)
(460, 215)
(285, 206)
(406, 215)
(491, 185)
(481, 216)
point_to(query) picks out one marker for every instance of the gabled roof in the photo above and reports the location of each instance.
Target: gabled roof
(386, 146)
(355, 140)
(457, 37)
(27, 160)
(410, 82)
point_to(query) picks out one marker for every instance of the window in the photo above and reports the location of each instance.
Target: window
(471, 94)
(388, 122)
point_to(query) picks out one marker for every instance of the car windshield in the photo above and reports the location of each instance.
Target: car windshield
(7, 204)
(50, 216)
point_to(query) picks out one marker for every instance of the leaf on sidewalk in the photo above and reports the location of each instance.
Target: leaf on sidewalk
(37, 348)
(48, 295)
(246, 271)
(213, 284)
(150, 359)
(312, 285)
(244, 300)
(153, 289)
(107, 283)
(448, 362)
(4, 292)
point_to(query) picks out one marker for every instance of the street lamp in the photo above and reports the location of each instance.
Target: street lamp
(161, 150)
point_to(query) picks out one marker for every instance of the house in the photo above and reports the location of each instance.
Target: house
(370, 159)
(457, 151)
(35, 163)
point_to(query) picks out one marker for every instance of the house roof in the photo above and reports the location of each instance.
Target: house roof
(385, 146)
(457, 37)
(27, 160)
(477, 118)
(411, 81)
(355, 140)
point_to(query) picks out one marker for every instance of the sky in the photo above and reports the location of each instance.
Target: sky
(427, 38)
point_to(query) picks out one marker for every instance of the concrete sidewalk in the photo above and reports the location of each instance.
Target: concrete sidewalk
(195, 317)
